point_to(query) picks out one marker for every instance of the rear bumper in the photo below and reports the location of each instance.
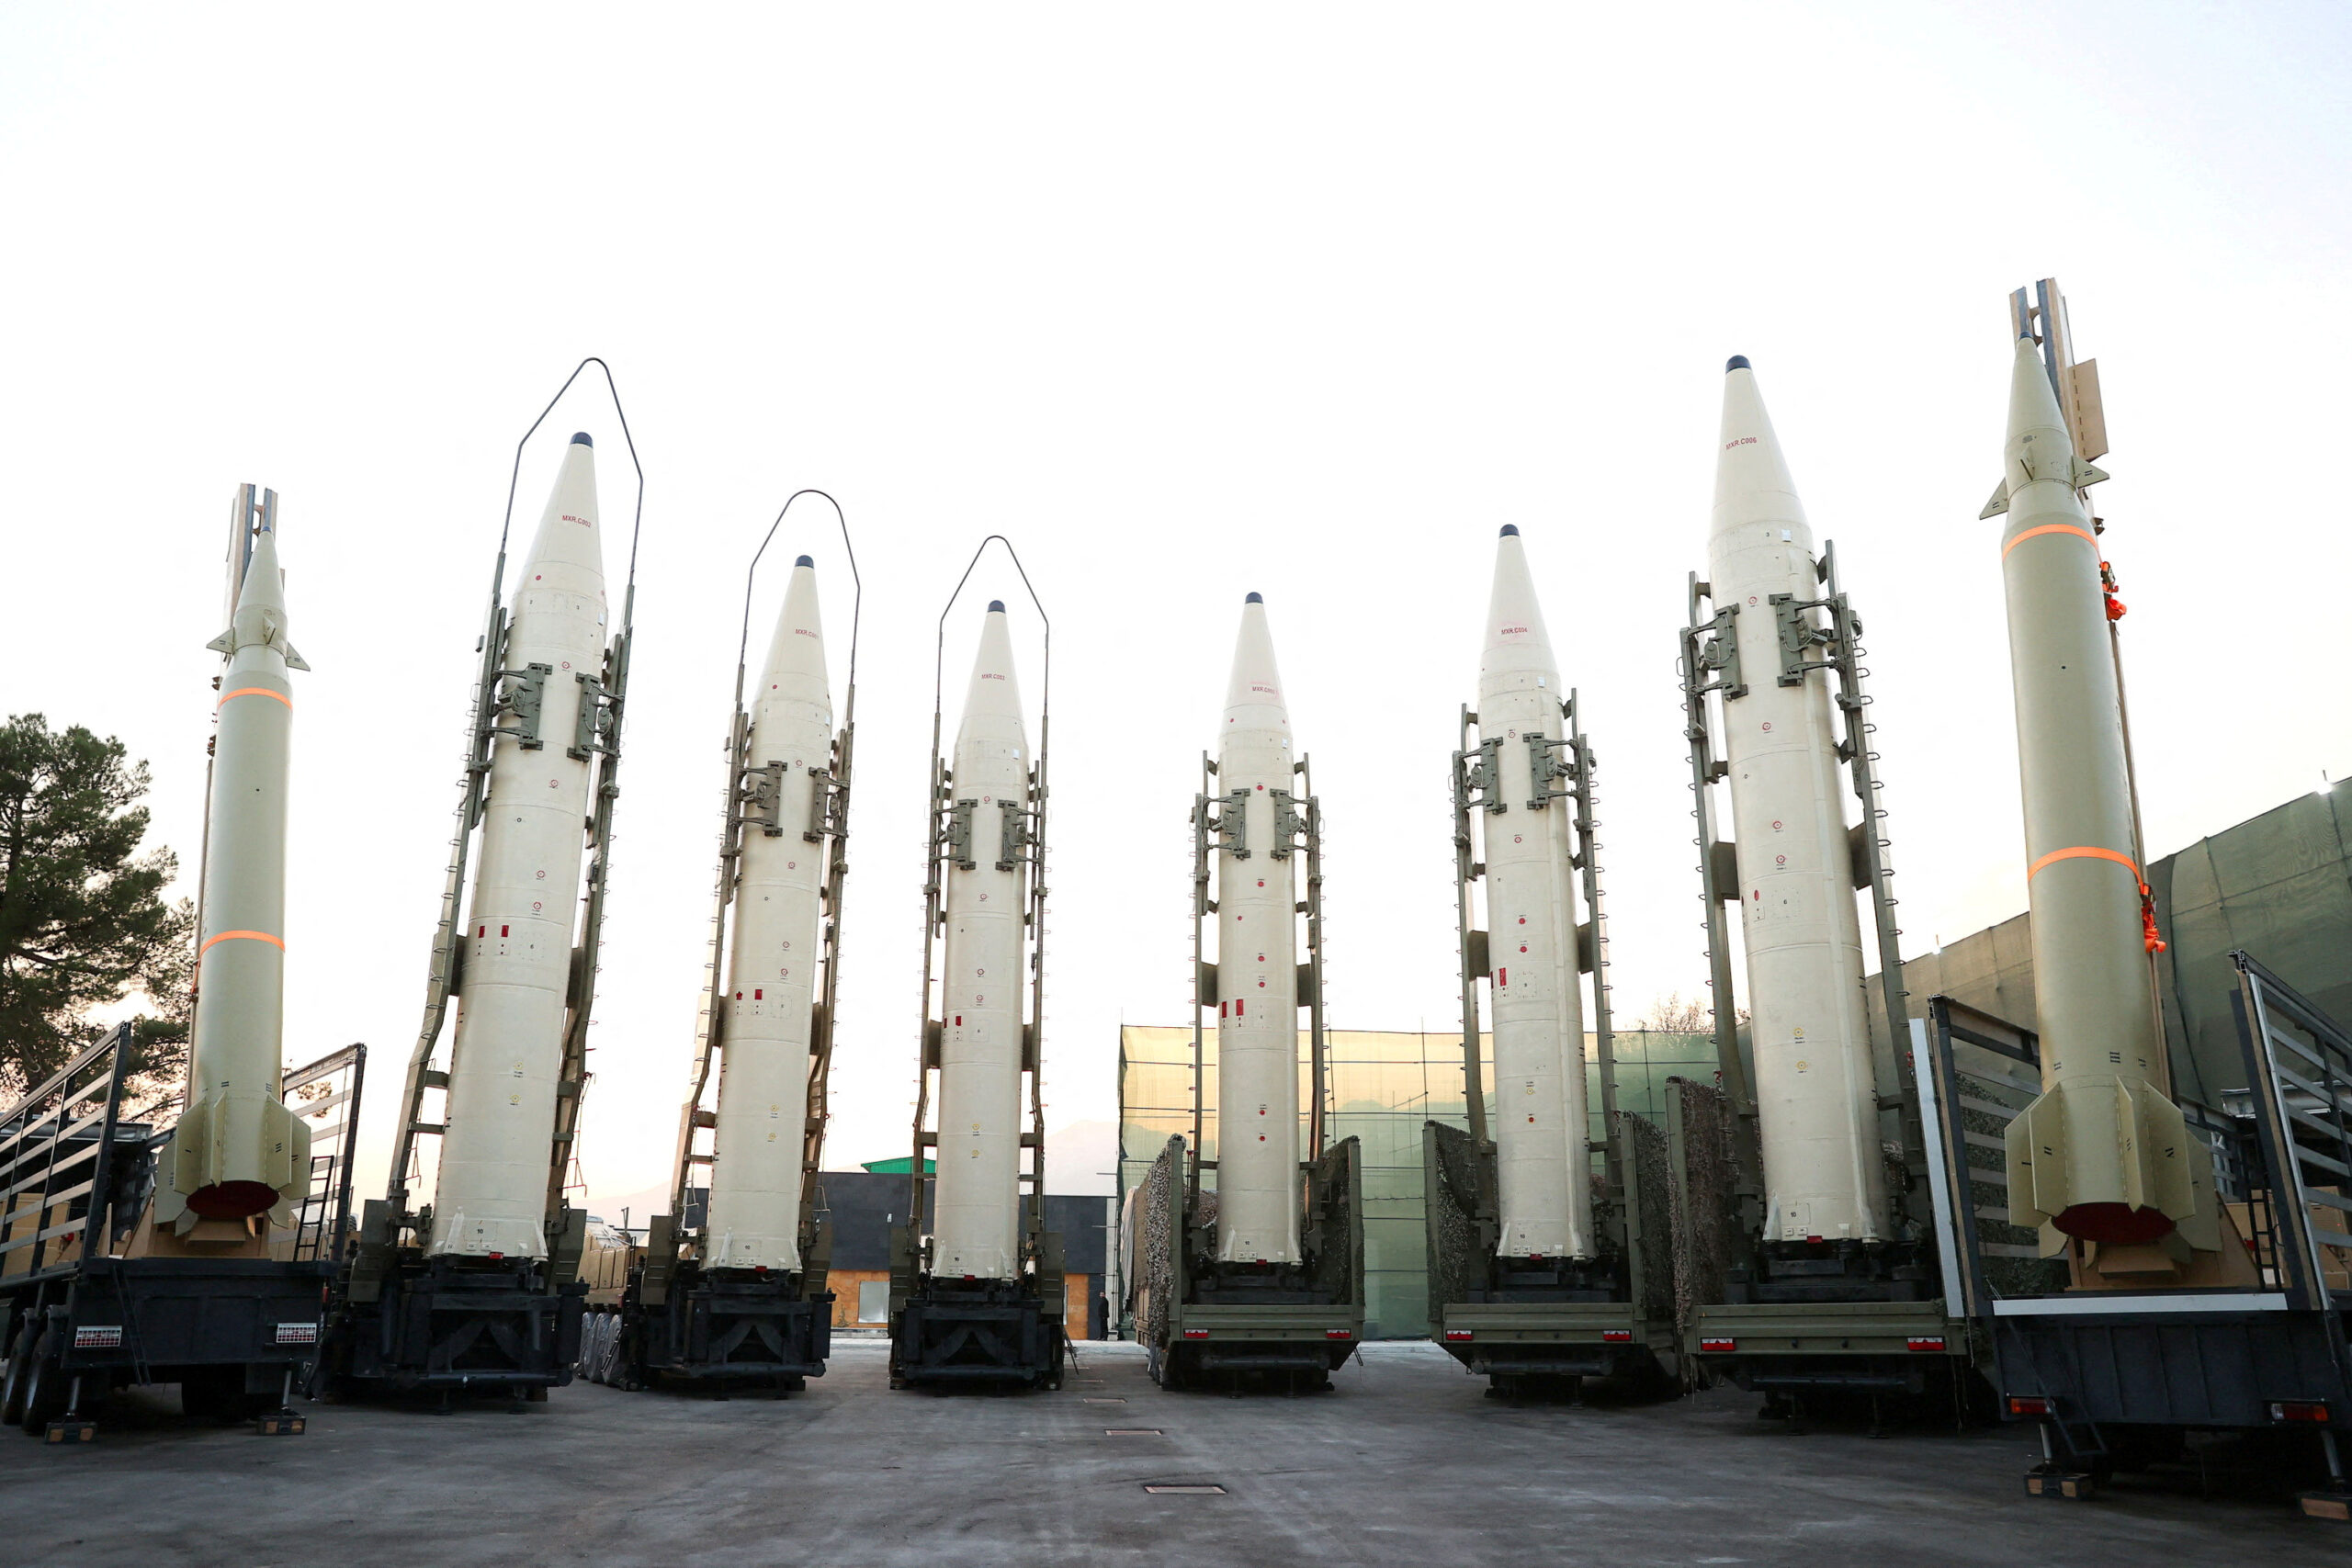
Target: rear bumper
(2218, 1369)
(1862, 1347)
(1265, 1338)
(1552, 1339)
(145, 1320)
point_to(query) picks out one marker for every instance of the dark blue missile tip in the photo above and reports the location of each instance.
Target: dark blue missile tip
(1737, 362)
(996, 606)
(1510, 530)
(580, 438)
(804, 560)
(1255, 599)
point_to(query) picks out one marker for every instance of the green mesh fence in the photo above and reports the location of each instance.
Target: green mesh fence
(1382, 1086)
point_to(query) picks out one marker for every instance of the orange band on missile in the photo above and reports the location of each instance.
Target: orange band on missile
(2046, 528)
(2084, 852)
(257, 692)
(277, 942)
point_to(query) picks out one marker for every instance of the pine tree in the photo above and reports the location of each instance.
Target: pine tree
(83, 920)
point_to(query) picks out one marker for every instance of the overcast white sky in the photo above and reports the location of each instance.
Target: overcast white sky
(1306, 301)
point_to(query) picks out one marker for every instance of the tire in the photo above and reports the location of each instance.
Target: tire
(610, 1355)
(46, 1390)
(12, 1393)
(591, 1348)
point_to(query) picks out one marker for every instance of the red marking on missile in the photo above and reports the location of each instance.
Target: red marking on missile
(2086, 852)
(2046, 528)
(757, 996)
(256, 692)
(277, 942)
(959, 1020)
(1502, 977)
(1236, 1008)
(1743, 441)
(501, 930)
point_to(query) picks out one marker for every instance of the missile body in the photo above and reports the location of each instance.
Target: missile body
(1816, 1097)
(1256, 963)
(1543, 1171)
(763, 1080)
(237, 1151)
(2102, 1155)
(491, 1191)
(975, 1229)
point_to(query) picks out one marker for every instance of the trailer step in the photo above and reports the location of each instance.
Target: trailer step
(282, 1424)
(71, 1430)
(2336, 1506)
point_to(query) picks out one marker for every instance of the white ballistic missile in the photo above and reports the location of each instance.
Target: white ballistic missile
(1816, 1098)
(1256, 963)
(237, 1151)
(975, 1224)
(2103, 1155)
(1543, 1171)
(492, 1190)
(754, 1214)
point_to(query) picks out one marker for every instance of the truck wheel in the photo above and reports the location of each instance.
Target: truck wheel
(21, 1366)
(46, 1387)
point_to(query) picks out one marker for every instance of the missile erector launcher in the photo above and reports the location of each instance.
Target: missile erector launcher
(730, 1288)
(976, 1279)
(1533, 1283)
(478, 1290)
(1836, 1288)
(1263, 1271)
(197, 1255)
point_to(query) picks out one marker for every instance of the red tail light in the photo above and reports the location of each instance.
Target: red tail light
(1196, 1334)
(1931, 1342)
(2031, 1404)
(1339, 1334)
(1616, 1336)
(1457, 1335)
(2299, 1410)
(1718, 1347)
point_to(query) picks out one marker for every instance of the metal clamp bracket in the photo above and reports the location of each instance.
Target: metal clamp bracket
(959, 835)
(1232, 822)
(598, 721)
(1016, 835)
(1542, 767)
(1719, 653)
(1797, 634)
(524, 694)
(828, 807)
(1290, 824)
(1477, 777)
(763, 791)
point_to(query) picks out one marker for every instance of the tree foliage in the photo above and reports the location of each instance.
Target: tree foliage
(83, 924)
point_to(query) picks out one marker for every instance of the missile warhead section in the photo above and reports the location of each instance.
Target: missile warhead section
(2103, 1156)
(238, 1152)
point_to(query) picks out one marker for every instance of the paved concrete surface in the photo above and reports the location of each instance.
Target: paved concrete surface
(1403, 1464)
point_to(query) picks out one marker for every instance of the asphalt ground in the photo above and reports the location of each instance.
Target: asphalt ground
(1404, 1463)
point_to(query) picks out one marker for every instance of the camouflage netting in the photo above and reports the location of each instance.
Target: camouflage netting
(1450, 1158)
(1335, 1186)
(1706, 1209)
(1163, 1195)
(1650, 1156)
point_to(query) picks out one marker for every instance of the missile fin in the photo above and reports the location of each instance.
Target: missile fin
(296, 661)
(2087, 474)
(225, 643)
(2000, 501)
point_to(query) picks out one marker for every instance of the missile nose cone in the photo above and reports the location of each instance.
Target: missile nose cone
(2036, 426)
(1752, 482)
(580, 438)
(995, 690)
(1255, 599)
(1516, 638)
(996, 606)
(1511, 531)
(1737, 362)
(1253, 697)
(795, 667)
(804, 560)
